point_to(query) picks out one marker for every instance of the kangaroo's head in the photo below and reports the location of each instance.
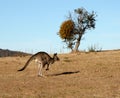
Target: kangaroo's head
(55, 57)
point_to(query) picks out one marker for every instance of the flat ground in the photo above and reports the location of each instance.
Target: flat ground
(81, 75)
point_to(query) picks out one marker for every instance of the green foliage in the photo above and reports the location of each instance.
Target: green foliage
(85, 20)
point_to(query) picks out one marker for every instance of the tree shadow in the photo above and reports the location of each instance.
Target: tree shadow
(65, 73)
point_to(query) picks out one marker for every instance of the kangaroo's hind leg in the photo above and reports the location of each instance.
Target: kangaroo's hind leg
(47, 67)
(40, 66)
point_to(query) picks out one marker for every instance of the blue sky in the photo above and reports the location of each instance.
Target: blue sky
(32, 25)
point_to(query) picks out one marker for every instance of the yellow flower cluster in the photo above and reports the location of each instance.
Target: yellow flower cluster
(66, 29)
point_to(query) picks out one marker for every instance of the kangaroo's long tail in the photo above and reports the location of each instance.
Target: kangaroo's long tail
(27, 63)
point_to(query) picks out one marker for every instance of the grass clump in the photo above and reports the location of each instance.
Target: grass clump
(94, 48)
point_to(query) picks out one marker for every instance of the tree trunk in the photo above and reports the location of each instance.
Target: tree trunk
(77, 46)
(77, 43)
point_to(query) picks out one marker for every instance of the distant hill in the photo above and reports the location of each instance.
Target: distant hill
(9, 53)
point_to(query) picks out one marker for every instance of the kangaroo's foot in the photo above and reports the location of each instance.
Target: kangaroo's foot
(47, 69)
(39, 75)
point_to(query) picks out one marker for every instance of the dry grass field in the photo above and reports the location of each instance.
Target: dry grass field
(81, 75)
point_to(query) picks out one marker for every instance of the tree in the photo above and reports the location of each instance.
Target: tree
(72, 30)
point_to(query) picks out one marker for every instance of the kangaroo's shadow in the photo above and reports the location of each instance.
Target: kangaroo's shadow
(65, 73)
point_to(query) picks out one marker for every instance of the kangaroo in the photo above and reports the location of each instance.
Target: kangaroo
(42, 59)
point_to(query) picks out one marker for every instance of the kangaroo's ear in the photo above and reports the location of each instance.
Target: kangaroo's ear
(55, 53)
